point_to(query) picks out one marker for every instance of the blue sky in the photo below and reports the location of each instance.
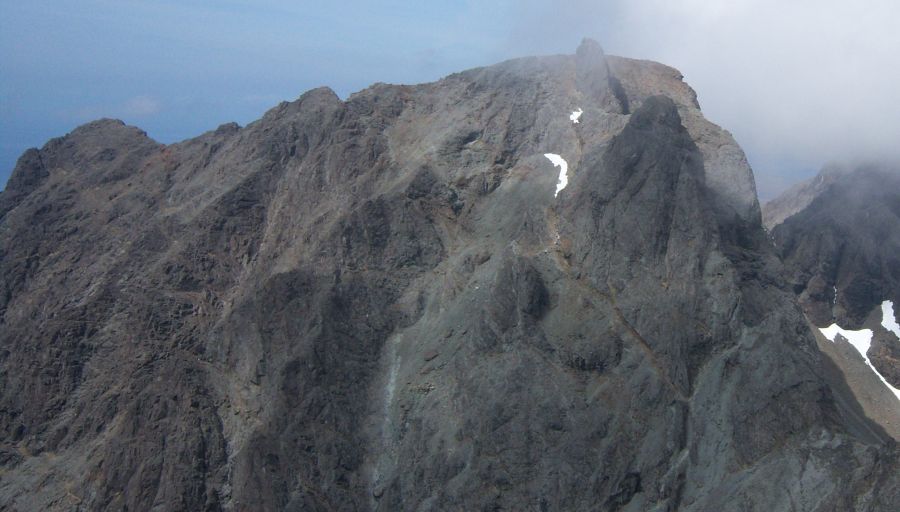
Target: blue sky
(178, 68)
(796, 85)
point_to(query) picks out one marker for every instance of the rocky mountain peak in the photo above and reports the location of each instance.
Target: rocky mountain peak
(842, 242)
(839, 237)
(589, 49)
(438, 296)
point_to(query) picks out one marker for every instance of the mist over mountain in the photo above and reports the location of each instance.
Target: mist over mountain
(839, 234)
(543, 284)
(839, 237)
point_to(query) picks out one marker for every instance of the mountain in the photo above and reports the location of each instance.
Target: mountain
(841, 249)
(446, 296)
(797, 197)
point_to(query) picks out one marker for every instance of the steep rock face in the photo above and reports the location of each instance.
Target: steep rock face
(839, 237)
(842, 251)
(379, 304)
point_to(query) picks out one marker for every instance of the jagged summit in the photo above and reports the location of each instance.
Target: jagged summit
(589, 47)
(389, 303)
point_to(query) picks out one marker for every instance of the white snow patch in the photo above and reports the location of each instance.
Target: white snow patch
(558, 161)
(575, 115)
(887, 318)
(861, 341)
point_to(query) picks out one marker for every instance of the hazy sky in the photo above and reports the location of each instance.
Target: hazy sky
(798, 83)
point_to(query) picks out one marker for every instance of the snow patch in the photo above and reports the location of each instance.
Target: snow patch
(575, 115)
(861, 341)
(887, 318)
(558, 161)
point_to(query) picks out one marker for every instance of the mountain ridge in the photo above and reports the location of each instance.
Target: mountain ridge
(378, 304)
(840, 246)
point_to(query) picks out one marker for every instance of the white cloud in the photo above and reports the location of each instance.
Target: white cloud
(808, 78)
(140, 106)
(806, 81)
(799, 83)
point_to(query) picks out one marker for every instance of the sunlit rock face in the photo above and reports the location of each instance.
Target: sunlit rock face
(387, 303)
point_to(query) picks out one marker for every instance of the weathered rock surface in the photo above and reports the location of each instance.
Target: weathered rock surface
(378, 304)
(839, 237)
(842, 250)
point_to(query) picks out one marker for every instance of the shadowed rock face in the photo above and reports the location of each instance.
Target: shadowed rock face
(848, 239)
(378, 304)
(797, 197)
(841, 248)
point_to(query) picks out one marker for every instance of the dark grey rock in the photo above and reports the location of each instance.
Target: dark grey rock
(245, 320)
(840, 242)
(846, 239)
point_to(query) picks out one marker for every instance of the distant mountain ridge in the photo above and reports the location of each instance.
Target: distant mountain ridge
(797, 197)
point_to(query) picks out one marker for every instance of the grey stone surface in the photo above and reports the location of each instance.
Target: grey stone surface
(846, 239)
(378, 304)
(839, 238)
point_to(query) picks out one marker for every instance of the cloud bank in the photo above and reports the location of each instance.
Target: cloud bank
(799, 83)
